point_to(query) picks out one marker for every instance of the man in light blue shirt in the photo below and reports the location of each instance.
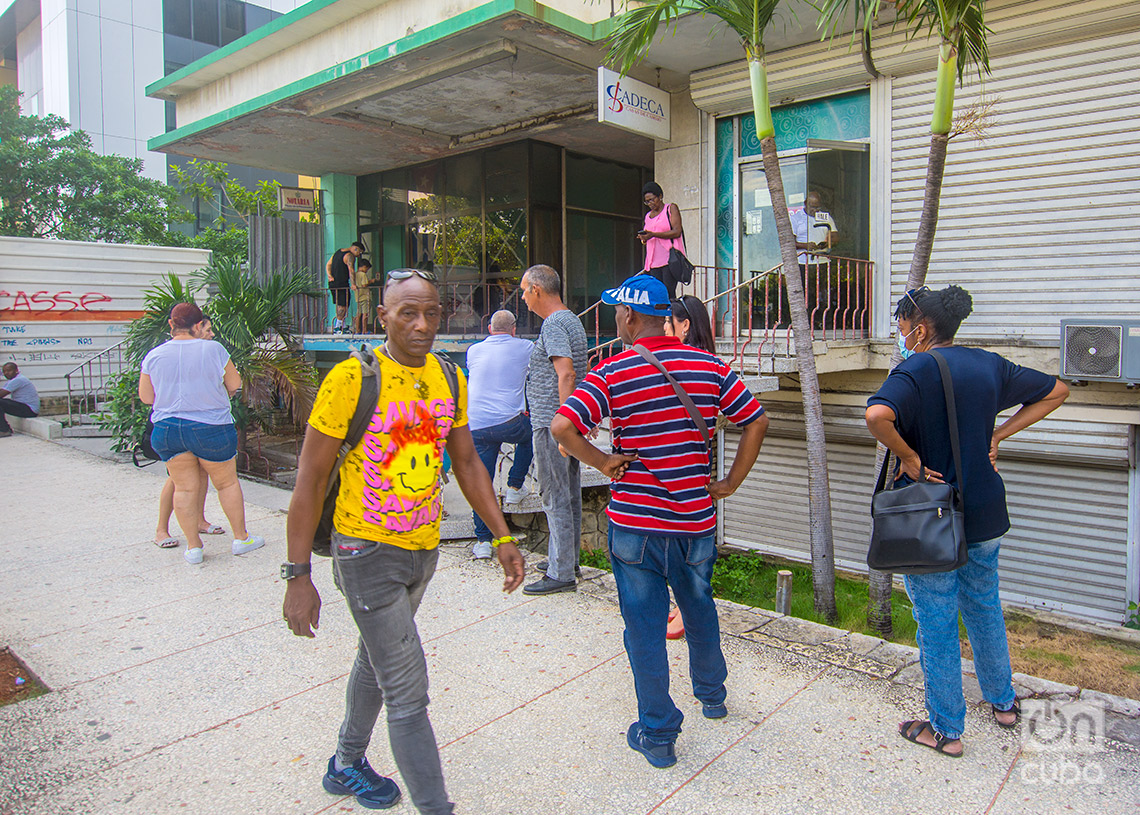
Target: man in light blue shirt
(496, 410)
(18, 397)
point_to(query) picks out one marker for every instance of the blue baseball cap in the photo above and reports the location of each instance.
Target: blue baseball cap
(643, 293)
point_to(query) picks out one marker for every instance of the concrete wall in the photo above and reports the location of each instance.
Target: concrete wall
(62, 302)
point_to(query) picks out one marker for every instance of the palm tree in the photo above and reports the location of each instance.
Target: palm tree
(962, 34)
(749, 19)
(250, 319)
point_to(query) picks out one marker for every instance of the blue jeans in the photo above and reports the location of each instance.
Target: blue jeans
(212, 442)
(645, 566)
(973, 590)
(488, 442)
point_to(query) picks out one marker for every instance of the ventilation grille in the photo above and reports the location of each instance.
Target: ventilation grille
(1092, 350)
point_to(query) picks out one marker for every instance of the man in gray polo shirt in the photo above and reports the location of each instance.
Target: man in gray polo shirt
(18, 397)
(557, 364)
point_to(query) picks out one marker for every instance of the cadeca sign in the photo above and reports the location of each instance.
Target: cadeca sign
(631, 105)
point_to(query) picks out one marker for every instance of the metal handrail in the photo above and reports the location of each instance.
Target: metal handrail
(88, 375)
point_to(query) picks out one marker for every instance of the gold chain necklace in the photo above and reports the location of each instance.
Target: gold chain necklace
(418, 384)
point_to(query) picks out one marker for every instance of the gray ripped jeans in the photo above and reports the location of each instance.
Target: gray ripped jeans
(383, 586)
(560, 483)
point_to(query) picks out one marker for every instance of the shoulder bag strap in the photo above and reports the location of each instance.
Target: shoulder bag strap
(952, 417)
(686, 400)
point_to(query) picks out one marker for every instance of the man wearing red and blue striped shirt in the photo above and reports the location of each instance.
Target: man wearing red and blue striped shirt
(662, 520)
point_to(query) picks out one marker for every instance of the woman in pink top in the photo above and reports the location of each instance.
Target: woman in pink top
(662, 232)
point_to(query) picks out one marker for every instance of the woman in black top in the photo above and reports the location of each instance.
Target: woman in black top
(908, 415)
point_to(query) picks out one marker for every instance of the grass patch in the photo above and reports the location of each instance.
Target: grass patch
(1036, 648)
(750, 579)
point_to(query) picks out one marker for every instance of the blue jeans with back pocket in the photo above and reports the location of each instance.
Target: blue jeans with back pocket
(645, 567)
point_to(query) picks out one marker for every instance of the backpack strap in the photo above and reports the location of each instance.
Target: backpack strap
(450, 374)
(362, 413)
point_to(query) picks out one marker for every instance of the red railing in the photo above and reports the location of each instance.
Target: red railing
(754, 315)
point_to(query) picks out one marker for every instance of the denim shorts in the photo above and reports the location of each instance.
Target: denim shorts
(211, 442)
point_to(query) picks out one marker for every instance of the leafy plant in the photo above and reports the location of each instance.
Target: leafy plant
(251, 319)
(125, 414)
(1132, 618)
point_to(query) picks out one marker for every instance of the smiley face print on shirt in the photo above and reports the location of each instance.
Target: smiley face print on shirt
(403, 456)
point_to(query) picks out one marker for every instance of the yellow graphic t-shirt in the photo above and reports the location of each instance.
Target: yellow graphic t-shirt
(390, 486)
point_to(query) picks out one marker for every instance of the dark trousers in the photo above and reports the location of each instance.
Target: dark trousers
(10, 407)
(489, 442)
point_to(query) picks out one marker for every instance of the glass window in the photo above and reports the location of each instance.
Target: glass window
(462, 256)
(233, 20)
(176, 18)
(505, 173)
(424, 190)
(546, 175)
(394, 197)
(464, 181)
(603, 186)
(206, 21)
(506, 243)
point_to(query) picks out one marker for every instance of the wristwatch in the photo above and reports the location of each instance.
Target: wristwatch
(291, 570)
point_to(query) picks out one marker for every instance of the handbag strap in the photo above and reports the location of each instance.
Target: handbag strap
(686, 400)
(952, 418)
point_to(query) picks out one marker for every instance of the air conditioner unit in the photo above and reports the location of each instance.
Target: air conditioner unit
(1100, 350)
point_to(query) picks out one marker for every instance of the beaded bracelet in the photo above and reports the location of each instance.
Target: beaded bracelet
(505, 539)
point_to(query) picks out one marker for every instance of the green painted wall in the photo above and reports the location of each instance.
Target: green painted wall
(338, 201)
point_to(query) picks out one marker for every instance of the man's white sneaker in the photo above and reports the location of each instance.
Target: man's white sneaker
(482, 550)
(516, 496)
(193, 556)
(248, 545)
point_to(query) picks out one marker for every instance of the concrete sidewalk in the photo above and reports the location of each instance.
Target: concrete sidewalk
(179, 689)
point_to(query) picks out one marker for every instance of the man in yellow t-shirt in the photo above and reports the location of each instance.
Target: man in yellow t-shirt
(386, 538)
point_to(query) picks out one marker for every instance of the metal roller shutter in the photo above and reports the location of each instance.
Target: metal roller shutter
(1045, 203)
(1066, 550)
(1067, 546)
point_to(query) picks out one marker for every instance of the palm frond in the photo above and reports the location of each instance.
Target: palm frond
(961, 23)
(276, 372)
(152, 329)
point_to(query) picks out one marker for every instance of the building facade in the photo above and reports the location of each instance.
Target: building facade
(89, 61)
(466, 135)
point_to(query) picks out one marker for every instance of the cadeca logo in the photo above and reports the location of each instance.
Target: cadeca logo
(615, 103)
(621, 99)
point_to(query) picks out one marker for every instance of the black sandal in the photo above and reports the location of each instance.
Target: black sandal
(908, 732)
(1015, 710)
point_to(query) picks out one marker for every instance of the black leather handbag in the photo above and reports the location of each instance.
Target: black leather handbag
(920, 528)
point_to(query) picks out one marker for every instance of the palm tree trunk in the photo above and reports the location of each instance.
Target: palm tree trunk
(928, 220)
(819, 490)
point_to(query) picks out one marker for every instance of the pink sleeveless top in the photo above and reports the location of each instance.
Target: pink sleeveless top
(657, 249)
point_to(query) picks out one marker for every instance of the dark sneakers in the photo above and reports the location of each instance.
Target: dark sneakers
(372, 790)
(714, 711)
(548, 585)
(659, 755)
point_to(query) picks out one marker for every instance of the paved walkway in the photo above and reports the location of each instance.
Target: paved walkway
(178, 689)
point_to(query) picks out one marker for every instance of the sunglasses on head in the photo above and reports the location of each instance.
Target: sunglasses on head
(680, 301)
(912, 295)
(404, 274)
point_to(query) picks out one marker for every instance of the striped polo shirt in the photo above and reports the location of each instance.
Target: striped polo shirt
(664, 492)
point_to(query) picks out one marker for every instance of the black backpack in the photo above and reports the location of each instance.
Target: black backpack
(361, 416)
